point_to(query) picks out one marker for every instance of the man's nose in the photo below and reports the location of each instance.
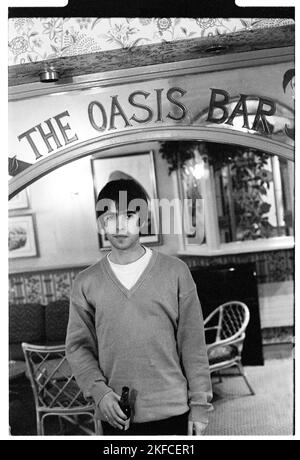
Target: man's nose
(121, 223)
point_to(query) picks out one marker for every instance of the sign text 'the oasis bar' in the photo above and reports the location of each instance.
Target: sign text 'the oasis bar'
(116, 116)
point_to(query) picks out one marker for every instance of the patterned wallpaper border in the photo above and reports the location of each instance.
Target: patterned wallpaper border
(50, 285)
(271, 266)
(284, 334)
(39, 39)
(41, 287)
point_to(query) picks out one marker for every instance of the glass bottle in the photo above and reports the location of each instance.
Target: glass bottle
(125, 406)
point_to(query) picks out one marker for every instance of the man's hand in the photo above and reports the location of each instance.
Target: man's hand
(110, 409)
(197, 428)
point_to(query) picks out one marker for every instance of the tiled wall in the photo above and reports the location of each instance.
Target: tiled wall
(38, 39)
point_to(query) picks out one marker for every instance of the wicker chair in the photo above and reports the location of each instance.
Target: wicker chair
(225, 334)
(55, 389)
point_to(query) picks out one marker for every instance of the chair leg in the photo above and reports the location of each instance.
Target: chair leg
(243, 374)
(98, 427)
(42, 427)
(39, 428)
(61, 425)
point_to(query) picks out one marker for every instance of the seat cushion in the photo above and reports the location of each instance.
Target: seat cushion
(222, 353)
(26, 323)
(56, 321)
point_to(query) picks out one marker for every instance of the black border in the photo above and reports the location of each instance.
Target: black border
(153, 8)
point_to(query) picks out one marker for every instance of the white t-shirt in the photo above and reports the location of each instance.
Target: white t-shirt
(128, 274)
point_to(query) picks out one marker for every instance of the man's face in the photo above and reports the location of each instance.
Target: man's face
(121, 228)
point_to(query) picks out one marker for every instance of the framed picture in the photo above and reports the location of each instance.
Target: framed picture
(21, 237)
(139, 167)
(19, 201)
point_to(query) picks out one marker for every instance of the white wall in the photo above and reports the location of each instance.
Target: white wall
(276, 304)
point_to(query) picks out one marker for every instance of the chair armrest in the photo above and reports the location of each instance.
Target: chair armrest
(229, 341)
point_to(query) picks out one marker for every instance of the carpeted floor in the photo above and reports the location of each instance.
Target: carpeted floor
(268, 412)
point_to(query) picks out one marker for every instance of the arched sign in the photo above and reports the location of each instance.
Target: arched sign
(252, 106)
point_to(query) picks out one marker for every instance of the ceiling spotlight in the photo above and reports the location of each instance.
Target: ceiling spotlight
(49, 76)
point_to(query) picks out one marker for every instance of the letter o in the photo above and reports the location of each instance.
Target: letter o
(91, 116)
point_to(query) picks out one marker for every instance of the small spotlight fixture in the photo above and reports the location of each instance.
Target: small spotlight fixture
(49, 76)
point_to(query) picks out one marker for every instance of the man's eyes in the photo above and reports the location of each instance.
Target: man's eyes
(114, 217)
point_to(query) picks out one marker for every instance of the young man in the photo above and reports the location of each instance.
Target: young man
(136, 321)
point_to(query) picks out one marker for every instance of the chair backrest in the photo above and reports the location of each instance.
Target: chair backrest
(229, 320)
(51, 378)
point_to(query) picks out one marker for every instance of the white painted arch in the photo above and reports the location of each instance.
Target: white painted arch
(112, 140)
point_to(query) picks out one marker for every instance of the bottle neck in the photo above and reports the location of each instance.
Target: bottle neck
(125, 396)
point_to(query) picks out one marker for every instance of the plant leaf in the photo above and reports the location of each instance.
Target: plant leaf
(289, 74)
(96, 22)
(137, 41)
(244, 23)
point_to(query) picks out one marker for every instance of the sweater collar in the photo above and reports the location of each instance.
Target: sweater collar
(129, 292)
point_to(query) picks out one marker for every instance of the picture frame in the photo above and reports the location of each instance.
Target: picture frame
(139, 166)
(22, 236)
(19, 201)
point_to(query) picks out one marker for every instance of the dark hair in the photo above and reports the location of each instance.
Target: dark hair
(111, 191)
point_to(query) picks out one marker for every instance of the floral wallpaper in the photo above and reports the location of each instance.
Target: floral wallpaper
(38, 39)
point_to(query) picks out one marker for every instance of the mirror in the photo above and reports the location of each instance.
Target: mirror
(239, 210)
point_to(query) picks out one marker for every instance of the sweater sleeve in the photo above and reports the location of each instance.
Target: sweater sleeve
(192, 351)
(81, 346)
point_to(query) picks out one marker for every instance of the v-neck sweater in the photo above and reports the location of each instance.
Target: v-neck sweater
(149, 338)
(128, 274)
